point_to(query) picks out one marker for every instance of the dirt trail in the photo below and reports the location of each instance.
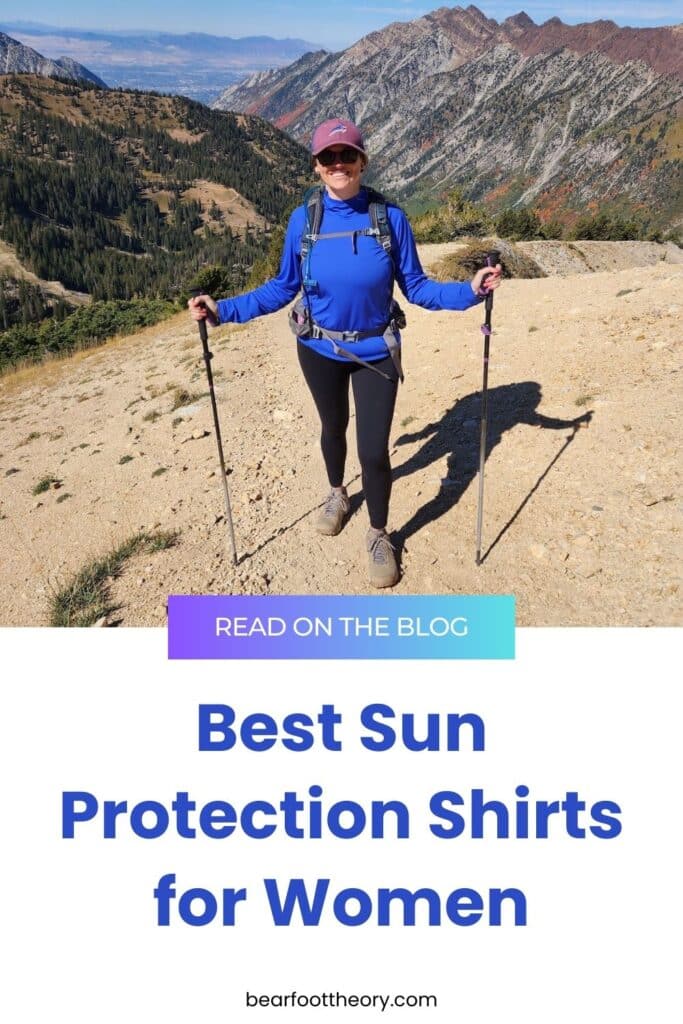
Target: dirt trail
(10, 266)
(581, 524)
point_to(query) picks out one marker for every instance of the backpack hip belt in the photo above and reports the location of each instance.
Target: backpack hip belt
(351, 336)
(304, 327)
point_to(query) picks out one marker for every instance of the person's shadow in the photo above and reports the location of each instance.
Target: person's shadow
(456, 438)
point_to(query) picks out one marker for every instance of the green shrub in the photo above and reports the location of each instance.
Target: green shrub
(518, 225)
(87, 326)
(268, 266)
(455, 217)
(44, 484)
(605, 227)
(214, 281)
(552, 229)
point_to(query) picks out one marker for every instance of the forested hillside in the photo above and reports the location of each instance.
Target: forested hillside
(80, 168)
(127, 196)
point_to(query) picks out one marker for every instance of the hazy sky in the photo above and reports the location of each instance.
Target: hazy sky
(333, 23)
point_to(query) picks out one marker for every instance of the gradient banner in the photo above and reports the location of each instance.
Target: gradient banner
(314, 627)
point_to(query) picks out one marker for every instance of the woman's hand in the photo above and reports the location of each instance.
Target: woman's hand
(486, 280)
(203, 307)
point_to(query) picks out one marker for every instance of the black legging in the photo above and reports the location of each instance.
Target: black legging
(374, 399)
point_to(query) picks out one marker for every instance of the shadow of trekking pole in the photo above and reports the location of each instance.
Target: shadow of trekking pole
(452, 438)
(568, 440)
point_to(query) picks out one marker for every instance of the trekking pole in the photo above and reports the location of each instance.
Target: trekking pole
(492, 258)
(208, 356)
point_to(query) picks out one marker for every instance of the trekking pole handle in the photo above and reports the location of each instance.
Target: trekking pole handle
(492, 259)
(203, 333)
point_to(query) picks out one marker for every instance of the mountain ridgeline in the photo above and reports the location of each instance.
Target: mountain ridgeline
(567, 119)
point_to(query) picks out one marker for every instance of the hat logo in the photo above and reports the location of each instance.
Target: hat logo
(338, 129)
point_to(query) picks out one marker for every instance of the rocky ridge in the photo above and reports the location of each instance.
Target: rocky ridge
(555, 115)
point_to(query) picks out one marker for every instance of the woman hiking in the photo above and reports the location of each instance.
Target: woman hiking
(343, 249)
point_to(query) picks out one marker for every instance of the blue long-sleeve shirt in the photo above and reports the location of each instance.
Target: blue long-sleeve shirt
(354, 278)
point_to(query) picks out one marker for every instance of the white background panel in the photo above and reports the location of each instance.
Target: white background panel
(589, 710)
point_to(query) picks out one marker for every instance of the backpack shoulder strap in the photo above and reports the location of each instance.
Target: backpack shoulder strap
(313, 209)
(377, 208)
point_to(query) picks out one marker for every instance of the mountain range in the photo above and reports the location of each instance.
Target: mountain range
(197, 65)
(566, 118)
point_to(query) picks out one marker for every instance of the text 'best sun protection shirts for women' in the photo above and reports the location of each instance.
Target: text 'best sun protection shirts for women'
(354, 278)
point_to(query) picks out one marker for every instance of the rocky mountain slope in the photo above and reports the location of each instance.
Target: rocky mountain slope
(15, 58)
(561, 117)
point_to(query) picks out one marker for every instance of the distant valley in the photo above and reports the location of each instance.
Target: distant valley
(197, 65)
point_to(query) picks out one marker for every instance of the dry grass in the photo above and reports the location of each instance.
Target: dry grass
(463, 264)
(183, 397)
(86, 598)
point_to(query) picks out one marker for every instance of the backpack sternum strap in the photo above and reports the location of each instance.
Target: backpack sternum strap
(313, 206)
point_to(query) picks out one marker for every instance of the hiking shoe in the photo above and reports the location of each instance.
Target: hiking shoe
(382, 567)
(333, 513)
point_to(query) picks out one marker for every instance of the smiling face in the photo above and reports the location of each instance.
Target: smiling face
(341, 179)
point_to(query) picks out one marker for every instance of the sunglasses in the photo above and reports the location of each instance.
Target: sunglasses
(344, 156)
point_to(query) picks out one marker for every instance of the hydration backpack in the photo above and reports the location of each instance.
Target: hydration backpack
(301, 321)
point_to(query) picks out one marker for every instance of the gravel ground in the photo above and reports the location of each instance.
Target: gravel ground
(582, 518)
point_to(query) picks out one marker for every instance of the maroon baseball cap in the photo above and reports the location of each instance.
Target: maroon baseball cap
(335, 131)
